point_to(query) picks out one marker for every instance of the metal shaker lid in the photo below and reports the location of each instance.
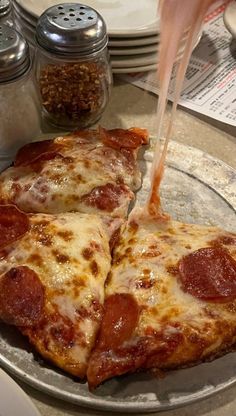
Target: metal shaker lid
(71, 28)
(14, 54)
(5, 7)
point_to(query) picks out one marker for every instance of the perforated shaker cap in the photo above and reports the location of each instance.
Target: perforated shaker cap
(71, 29)
(14, 54)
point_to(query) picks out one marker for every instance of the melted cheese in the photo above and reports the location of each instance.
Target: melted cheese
(61, 184)
(144, 266)
(70, 254)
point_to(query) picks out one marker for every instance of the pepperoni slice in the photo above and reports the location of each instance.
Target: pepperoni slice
(21, 297)
(209, 274)
(32, 151)
(119, 322)
(107, 197)
(13, 224)
(120, 138)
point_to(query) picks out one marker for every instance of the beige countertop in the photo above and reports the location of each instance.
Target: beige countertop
(130, 106)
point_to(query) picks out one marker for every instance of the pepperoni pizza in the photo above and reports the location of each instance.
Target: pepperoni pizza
(52, 274)
(170, 295)
(87, 171)
(170, 299)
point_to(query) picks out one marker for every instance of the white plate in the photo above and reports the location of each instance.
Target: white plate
(196, 188)
(24, 17)
(134, 70)
(13, 400)
(133, 51)
(133, 60)
(140, 60)
(23, 13)
(118, 68)
(24, 22)
(230, 18)
(123, 18)
(128, 42)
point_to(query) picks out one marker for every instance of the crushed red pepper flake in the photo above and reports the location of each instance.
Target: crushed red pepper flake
(72, 90)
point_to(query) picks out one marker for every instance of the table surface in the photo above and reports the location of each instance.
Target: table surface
(130, 106)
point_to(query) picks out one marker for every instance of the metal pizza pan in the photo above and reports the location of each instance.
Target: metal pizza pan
(196, 188)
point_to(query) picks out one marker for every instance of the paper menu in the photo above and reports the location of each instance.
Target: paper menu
(210, 82)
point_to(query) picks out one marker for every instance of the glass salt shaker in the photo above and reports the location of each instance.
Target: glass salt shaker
(19, 103)
(72, 65)
(5, 13)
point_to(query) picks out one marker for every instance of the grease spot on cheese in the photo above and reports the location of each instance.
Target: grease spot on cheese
(87, 253)
(45, 239)
(65, 235)
(132, 241)
(35, 259)
(94, 268)
(60, 257)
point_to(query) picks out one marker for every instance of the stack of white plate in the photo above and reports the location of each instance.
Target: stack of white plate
(133, 33)
(132, 29)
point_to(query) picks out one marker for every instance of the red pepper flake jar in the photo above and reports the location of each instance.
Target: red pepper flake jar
(72, 65)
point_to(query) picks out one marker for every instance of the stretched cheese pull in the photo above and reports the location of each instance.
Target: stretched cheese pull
(180, 19)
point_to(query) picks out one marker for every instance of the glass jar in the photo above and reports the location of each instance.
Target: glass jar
(72, 65)
(74, 92)
(19, 103)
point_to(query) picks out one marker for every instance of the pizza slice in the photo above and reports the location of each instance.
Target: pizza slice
(170, 299)
(52, 274)
(92, 171)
